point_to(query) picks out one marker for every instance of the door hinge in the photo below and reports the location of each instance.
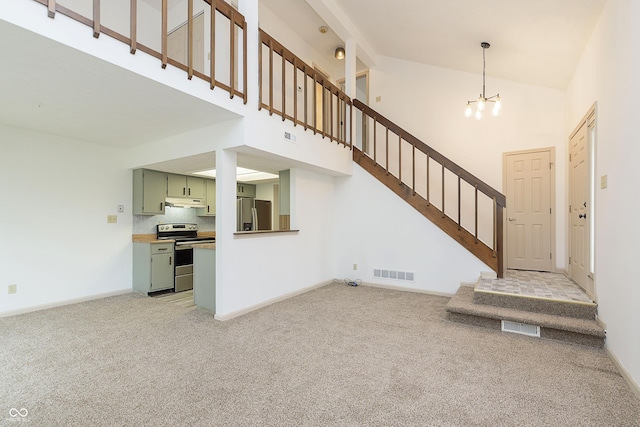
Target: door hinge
(549, 211)
(569, 208)
(550, 256)
(569, 157)
(569, 260)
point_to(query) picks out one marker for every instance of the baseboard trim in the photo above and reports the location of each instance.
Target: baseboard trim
(407, 289)
(63, 303)
(241, 312)
(634, 386)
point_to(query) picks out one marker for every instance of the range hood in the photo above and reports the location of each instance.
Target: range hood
(182, 202)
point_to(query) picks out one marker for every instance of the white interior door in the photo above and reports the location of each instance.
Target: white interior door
(528, 195)
(578, 206)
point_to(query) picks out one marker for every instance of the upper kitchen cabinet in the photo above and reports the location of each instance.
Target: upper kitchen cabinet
(149, 192)
(246, 190)
(210, 210)
(185, 186)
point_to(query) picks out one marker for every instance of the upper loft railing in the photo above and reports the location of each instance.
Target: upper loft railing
(296, 91)
(205, 38)
(462, 205)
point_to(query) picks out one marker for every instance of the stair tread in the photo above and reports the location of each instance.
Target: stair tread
(463, 302)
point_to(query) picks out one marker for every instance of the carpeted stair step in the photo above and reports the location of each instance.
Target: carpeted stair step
(463, 308)
(577, 309)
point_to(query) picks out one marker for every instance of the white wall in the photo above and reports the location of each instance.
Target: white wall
(374, 228)
(259, 268)
(607, 73)
(57, 245)
(429, 102)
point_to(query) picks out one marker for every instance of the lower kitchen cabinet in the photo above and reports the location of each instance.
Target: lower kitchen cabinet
(153, 267)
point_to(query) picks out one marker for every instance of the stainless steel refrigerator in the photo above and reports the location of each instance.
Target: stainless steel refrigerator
(253, 214)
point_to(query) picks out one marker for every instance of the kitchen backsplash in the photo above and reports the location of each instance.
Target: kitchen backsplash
(145, 224)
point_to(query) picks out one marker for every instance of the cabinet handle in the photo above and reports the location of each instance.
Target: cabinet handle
(207, 208)
(160, 205)
(170, 258)
(189, 190)
(183, 191)
(162, 249)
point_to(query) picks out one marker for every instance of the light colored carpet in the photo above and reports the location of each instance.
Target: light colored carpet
(338, 355)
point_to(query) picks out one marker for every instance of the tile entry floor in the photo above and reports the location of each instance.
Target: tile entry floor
(536, 284)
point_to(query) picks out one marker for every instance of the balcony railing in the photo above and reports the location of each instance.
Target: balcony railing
(297, 92)
(205, 38)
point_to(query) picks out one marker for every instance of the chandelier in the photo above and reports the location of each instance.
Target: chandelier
(481, 102)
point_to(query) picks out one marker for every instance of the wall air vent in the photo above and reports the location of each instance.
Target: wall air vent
(521, 328)
(405, 276)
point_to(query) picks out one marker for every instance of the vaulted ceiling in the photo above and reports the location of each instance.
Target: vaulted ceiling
(532, 41)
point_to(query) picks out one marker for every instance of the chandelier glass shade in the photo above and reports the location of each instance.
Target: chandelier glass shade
(481, 102)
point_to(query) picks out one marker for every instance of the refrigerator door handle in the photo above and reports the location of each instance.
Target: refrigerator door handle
(254, 219)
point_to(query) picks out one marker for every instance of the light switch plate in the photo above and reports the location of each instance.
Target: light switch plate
(603, 181)
(112, 219)
(13, 288)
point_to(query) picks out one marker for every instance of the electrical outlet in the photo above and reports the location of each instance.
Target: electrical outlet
(112, 219)
(120, 208)
(378, 98)
(355, 266)
(13, 288)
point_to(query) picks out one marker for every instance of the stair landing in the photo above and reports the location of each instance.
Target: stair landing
(548, 300)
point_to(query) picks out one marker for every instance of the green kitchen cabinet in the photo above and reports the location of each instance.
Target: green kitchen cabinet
(246, 190)
(153, 267)
(210, 210)
(149, 192)
(185, 186)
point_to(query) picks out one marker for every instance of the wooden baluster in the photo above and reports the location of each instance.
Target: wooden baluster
(270, 76)
(96, 18)
(375, 137)
(306, 100)
(212, 54)
(244, 62)
(133, 30)
(386, 151)
(428, 180)
(295, 92)
(232, 53)
(400, 157)
(365, 143)
(476, 215)
(284, 84)
(459, 213)
(190, 39)
(51, 9)
(413, 169)
(164, 33)
(350, 126)
(443, 189)
(495, 226)
(331, 135)
(499, 240)
(315, 102)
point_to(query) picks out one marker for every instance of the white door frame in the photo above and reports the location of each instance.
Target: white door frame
(552, 194)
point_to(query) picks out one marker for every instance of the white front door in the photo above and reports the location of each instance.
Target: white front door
(528, 197)
(579, 206)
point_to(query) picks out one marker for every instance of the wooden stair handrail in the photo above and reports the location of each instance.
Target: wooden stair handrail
(433, 154)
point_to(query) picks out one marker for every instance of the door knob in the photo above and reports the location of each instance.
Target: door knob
(582, 216)
(511, 219)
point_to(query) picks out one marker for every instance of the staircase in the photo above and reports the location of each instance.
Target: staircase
(570, 317)
(463, 206)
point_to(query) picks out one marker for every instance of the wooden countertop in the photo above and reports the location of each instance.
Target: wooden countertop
(151, 238)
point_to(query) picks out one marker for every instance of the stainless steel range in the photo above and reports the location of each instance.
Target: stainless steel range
(185, 235)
